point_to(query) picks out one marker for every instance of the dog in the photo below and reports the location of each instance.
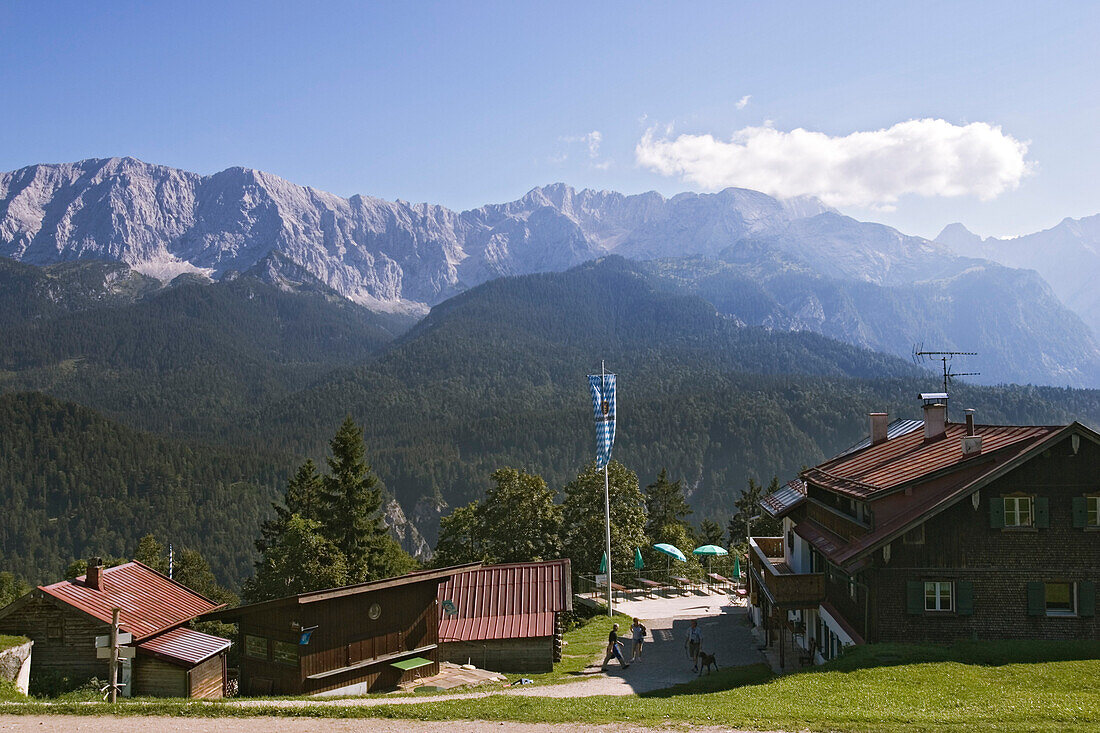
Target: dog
(708, 661)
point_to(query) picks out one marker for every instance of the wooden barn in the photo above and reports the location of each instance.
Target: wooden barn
(171, 660)
(359, 638)
(505, 617)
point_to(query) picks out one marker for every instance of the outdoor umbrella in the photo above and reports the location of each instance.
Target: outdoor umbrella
(603, 564)
(671, 551)
(710, 551)
(638, 563)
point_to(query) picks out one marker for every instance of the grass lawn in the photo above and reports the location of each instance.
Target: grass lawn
(7, 642)
(974, 686)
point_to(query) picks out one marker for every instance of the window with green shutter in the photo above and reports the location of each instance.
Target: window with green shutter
(964, 597)
(1036, 599)
(1086, 598)
(914, 597)
(996, 512)
(1042, 512)
(1018, 511)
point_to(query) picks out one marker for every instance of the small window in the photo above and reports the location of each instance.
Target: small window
(1093, 519)
(255, 646)
(1018, 511)
(938, 596)
(914, 536)
(285, 652)
(852, 587)
(1060, 599)
(55, 630)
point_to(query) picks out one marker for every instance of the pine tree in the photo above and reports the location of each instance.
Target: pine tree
(151, 554)
(460, 537)
(352, 504)
(748, 510)
(665, 507)
(519, 521)
(710, 533)
(303, 496)
(583, 511)
(299, 561)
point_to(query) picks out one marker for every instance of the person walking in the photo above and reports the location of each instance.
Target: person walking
(613, 650)
(693, 644)
(637, 635)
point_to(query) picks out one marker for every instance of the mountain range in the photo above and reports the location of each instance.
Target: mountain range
(785, 265)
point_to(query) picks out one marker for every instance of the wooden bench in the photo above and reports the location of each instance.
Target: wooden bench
(650, 586)
(683, 583)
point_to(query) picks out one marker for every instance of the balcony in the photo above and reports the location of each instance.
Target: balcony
(774, 578)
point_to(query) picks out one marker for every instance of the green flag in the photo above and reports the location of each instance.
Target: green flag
(638, 564)
(603, 564)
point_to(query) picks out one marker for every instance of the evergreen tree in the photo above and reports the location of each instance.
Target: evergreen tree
(192, 570)
(583, 511)
(352, 502)
(665, 506)
(299, 561)
(710, 533)
(519, 521)
(748, 509)
(303, 496)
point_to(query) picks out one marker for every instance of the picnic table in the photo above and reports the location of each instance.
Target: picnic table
(719, 579)
(650, 586)
(682, 582)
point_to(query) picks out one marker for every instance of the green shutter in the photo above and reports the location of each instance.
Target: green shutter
(1080, 512)
(1036, 599)
(914, 597)
(964, 590)
(996, 512)
(1086, 598)
(1042, 512)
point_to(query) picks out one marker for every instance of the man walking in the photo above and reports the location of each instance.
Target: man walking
(694, 643)
(613, 650)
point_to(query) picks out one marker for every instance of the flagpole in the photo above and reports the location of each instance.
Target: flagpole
(607, 509)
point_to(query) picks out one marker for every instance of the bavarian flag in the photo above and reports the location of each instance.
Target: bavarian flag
(603, 404)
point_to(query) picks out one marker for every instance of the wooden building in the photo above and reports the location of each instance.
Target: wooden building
(172, 660)
(351, 640)
(931, 531)
(505, 617)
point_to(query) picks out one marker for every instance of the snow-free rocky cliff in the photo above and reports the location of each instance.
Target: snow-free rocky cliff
(861, 282)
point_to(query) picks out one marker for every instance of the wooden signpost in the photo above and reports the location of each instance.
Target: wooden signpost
(109, 646)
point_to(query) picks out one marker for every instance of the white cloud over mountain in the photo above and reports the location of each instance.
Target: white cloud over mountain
(927, 157)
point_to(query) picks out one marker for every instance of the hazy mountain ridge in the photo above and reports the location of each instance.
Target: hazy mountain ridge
(1066, 255)
(403, 258)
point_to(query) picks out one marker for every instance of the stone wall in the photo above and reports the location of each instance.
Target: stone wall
(15, 665)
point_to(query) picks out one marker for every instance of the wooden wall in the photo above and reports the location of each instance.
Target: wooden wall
(73, 653)
(345, 636)
(156, 678)
(503, 655)
(208, 679)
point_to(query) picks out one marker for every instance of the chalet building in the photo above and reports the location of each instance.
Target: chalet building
(505, 617)
(932, 531)
(172, 660)
(367, 637)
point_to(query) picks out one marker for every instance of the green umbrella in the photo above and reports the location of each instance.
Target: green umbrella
(711, 550)
(737, 568)
(638, 563)
(670, 550)
(603, 564)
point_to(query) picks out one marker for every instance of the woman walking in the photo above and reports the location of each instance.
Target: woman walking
(637, 635)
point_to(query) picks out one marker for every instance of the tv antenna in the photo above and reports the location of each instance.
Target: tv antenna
(945, 357)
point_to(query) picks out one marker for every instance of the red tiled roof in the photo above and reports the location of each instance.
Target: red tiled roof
(785, 499)
(504, 601)
(184, 645)
(909, 457)
(149, 601)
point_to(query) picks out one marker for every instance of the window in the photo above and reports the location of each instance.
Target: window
(285, 652)
(938, 595)
(914, 536)
(852, 587)
(817, 562)
(1060, 599)
(255, 646)
(1017, 511)
(55, 631)
(1093, 519)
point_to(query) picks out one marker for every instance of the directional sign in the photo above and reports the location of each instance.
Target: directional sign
(124, 652)
(124, 637)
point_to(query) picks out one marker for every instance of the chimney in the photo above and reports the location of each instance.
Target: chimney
(94, 577)
(971, 442)
(878, 427)
(935, 420)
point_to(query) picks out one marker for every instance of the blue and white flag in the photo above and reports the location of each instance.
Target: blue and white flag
(603, 405)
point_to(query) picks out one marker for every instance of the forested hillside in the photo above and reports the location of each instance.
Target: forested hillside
(75, 483)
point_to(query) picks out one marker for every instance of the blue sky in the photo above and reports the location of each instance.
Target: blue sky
(463, 104)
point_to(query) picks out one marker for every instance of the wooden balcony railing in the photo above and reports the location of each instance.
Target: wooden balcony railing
(783, 587)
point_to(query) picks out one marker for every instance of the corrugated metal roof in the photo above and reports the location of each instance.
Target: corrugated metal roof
(909, 457)
(185, 646)
(504, 601)
(895, 429)
(790, 495)
(149, 601)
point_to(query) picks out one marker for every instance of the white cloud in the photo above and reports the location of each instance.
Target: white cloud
(743, 101)
(926, 157)
(592, 140)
